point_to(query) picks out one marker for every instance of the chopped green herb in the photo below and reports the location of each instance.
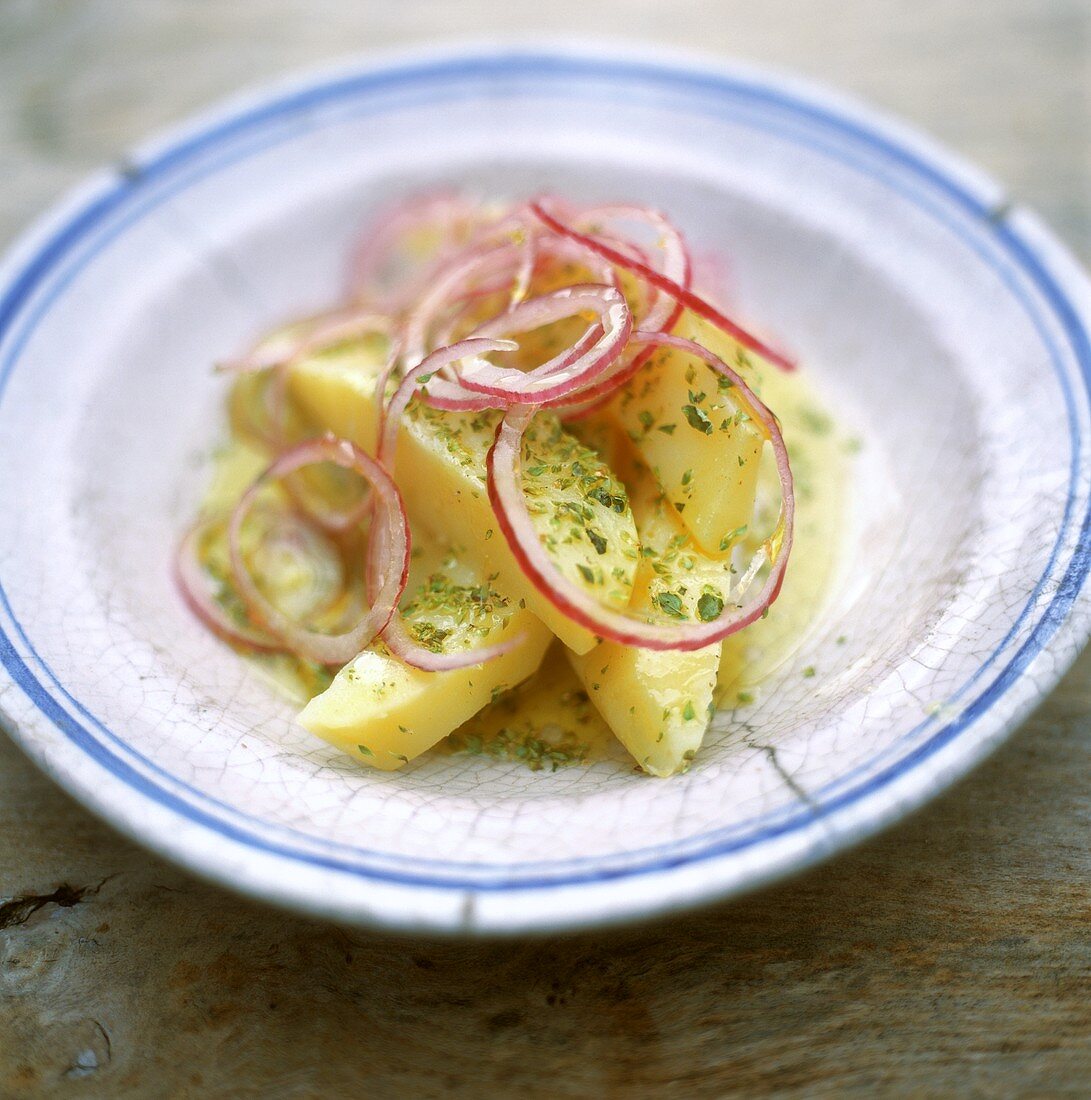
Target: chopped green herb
(732, 536)
(697, 419)
(709, 607)
(608, 500)
(688, 713)
(671, 604)
(523, 745)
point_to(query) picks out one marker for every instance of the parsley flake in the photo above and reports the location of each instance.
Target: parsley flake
(697, 419)
(709, 607)
(670, 603)
(731, 536)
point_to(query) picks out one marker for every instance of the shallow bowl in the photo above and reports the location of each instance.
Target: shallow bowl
(947, 326)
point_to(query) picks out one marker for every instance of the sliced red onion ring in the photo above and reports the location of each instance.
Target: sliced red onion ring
(381, 381)
(329, 519)
(560, 377)
(329, 330)
(458, 278)
(521, 287)
(195, 587)
(281, 352)
(483, 266)
(285, 536)
(506, 494)
(428, 366)
(679, 293)
(664, 309)
(389, 524)
(451, 397)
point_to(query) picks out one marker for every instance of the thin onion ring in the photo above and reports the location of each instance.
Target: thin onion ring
(429, 365)
(390, 525)
(192, 582)
(663, 312)
(685, 297)
(509, 504)
(676, 261)
(567, 373)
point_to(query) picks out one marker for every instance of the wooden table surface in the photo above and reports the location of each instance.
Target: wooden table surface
(951, 956)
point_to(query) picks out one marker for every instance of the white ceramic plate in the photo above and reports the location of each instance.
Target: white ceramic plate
(952, 329)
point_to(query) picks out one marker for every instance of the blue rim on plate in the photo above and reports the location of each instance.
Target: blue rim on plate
(1019, 251)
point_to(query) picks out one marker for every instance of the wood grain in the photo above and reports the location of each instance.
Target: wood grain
(951, 956)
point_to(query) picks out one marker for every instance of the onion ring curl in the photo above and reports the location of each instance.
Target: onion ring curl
(506, 494)
(390, 526)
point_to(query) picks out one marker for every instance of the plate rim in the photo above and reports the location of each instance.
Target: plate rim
(31, 253)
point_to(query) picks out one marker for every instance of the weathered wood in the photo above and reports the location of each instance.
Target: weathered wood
(950, 956)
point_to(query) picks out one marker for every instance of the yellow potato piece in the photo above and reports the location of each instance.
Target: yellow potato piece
(699, 443)
(659, 703)
(385, 713)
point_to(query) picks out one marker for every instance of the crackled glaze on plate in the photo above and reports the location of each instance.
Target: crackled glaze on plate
(951, 330)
